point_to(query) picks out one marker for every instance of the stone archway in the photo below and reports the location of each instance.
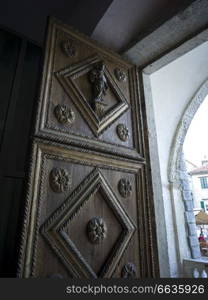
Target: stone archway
(177, 174)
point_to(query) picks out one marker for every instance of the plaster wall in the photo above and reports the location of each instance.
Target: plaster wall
(172, 88)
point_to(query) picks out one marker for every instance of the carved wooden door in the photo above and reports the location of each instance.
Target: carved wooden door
(88, 210)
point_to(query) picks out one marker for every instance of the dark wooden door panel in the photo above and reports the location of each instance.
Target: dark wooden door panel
(69, 110)
(88, 212)
(84, 207)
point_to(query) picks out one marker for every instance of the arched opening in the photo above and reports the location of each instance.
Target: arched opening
(187, 177)
(174, 87)
(178, 173)
(195, 149)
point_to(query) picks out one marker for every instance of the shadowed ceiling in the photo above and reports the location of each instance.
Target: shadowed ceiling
(29, 17)
(115, 23)
(128, 20)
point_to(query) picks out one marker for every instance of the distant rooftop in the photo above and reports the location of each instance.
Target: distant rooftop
(203, 169)
(200, 170)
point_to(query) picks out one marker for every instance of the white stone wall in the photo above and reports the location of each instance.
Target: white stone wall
(172, 88)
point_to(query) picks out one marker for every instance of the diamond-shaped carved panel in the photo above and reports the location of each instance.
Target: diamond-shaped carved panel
(97, 243)
(66, 229)
(95, 93)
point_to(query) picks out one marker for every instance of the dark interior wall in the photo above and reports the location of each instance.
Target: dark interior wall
(19, 74)
(29, 18)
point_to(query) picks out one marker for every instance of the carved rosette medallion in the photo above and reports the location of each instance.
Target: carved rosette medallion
(124, 187)
(60, 180)
(68, 48)
(64, 114)
(123, 132)
(128, 271)
(120, 75)
(96, 230)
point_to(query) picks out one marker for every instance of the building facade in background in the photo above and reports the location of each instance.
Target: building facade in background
(199, 183)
